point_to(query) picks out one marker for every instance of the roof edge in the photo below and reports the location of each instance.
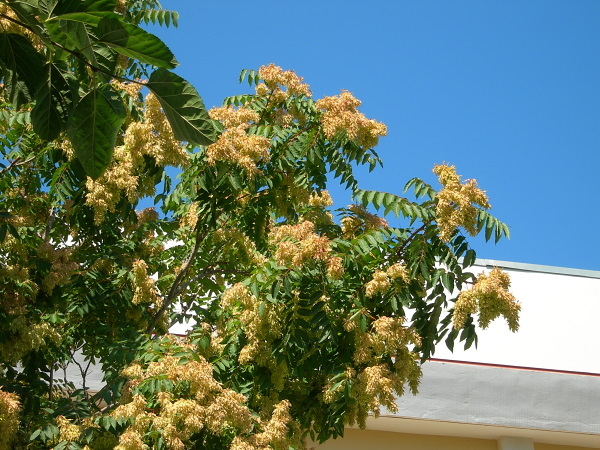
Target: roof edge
(526, 267)
(513, 367)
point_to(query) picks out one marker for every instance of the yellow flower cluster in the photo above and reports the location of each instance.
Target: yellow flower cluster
(232, 117)
(153, 137)
(380, 283)
(235, 145)
(335, 268)
(283, 118)
(145, 291)
(9, 418)
(340, 114)
(260, 329)
(190, 218)
(389, 337)
(244, 305)
(299, 244)
(361, 221)
(240, 244)
(322, 199)
(377, 384)
(206, 406)
(17, 288)
(398, 270)
(132, 89)
(490, 296)
(103, 265)
(105, 192)
(25, 337)
(67, 148)
(280, 432)
(318, 213)
(209, 405)
(61, 266)
(131, 440)
(238, 295)
(69, 431)
(275, 78)
(457, 202)
(146, 215)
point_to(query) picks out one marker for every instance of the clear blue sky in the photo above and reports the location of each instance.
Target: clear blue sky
(508, 91)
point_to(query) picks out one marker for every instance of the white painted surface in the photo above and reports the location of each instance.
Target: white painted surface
(558, 325)
(526, 399)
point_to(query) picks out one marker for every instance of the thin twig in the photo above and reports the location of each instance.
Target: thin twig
(412, 235)
(16, 163)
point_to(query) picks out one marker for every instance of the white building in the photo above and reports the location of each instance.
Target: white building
(538, 389)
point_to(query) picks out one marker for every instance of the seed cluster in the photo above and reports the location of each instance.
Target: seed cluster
(457, 202)
(490, 297)
(152, 136)
(340, 114)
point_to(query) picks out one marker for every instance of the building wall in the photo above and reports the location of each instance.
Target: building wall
(559, 320)
(385, 440)
(558, 447)
(537, 389)
(504, 396)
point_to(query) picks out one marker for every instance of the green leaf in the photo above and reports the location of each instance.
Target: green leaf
(28, 12)
(132, 41)
(78, 36)
(19, 56)
(469, 258)
(448, 281)
(489, 228)
(91, 18)
(12, 230)
(49, 115)
(158, 16)
(363, 323)
(93, 129)
(183, 107)
(70, 6)
(451, 338)
(421, 188)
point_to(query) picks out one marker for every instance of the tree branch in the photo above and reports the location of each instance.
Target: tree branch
(16, 163)
(412, 235)
(172, 295)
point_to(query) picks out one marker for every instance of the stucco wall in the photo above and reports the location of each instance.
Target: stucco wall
(558, 447)
(383, 440)
(559, 321)
(465, 393)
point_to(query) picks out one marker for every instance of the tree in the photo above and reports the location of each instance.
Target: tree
(304, 322)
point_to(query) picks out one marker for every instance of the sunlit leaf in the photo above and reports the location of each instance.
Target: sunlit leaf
(130, 40)
(183, 107)
(93, 129)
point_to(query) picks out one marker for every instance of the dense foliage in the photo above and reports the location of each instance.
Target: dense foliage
(301, 321)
